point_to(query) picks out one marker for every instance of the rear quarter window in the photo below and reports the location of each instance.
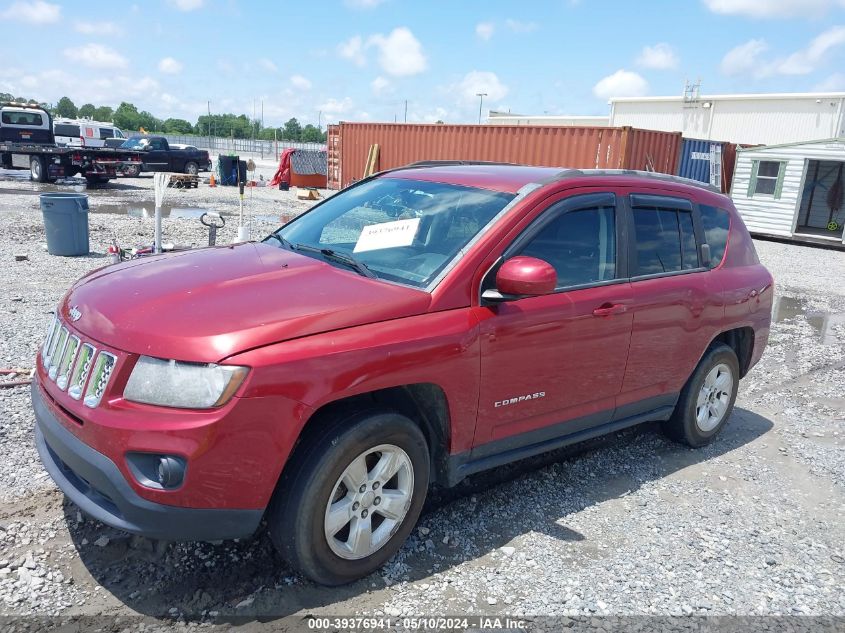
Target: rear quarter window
(716, 223)
(63, 129)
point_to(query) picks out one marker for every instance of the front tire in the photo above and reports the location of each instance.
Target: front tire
(351, 496)
(191, 168)
(707, 400)
(132, 171)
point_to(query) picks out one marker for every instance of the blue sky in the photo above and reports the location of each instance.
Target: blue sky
(361, 59)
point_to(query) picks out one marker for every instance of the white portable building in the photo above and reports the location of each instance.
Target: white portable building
(793, 190)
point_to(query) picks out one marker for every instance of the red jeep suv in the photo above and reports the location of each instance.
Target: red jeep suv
(421, 325)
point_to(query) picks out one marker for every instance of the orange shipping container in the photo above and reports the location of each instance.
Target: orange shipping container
(577, 147)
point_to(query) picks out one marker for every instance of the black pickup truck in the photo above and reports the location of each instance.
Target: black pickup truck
(27, 142)
(157, 155)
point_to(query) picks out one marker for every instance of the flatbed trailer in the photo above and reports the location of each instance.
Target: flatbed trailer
(47, 163)
(27, 142)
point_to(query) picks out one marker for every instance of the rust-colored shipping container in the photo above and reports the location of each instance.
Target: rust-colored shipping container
(578, 147)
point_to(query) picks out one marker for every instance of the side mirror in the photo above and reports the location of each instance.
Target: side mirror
(522, 277)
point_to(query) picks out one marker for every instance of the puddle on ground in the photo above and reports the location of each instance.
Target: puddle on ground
(148, 211)
(787, 308)
(191, 213)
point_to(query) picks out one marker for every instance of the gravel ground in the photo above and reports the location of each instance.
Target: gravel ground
(627, 525)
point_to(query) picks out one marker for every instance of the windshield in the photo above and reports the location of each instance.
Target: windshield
(400, 230)
(136, 143)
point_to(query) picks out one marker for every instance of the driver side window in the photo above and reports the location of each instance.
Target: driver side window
(579, 244)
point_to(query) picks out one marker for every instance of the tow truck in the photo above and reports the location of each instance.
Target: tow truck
(27, 142)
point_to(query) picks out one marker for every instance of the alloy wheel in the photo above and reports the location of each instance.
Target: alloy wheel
(714, 398)
(369, 502)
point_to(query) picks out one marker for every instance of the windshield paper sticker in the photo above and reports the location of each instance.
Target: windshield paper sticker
(387, 235)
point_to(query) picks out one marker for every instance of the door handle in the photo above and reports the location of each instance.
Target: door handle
(608, 309)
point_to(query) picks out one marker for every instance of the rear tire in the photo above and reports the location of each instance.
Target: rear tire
(191, 168)
(329, 519)
(37, 169)
(707, 400)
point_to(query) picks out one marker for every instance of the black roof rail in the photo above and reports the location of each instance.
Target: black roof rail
(653, 175)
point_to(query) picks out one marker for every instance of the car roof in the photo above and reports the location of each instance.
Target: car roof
(511, 178)
(496, 177)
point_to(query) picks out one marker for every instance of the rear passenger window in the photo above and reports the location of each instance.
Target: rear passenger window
(581, 245)
(716, 223)
(665, 240)
(63, 129)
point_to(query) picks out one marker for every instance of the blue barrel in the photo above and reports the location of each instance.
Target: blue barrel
(66, 223)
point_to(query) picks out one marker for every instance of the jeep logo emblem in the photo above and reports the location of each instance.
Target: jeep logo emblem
(74, 314)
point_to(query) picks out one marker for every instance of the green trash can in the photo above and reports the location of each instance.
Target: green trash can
(66, 223)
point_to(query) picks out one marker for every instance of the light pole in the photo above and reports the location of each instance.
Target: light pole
(480, 96)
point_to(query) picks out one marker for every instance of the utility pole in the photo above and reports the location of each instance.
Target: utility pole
(480, 96)
(406, 110)
(209, 126)
(320, 120)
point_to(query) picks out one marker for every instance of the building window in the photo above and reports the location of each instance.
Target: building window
(767, 178)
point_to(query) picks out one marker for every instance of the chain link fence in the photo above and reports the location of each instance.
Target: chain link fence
(225, 145)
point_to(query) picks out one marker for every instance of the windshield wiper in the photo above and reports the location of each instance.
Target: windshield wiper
(282, 241)
(338, 256)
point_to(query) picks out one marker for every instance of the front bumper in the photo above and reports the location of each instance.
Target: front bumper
(95, 484)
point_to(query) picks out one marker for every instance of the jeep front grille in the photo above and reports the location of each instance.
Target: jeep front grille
(75, 365)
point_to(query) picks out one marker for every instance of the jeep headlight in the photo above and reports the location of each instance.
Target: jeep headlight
(171, 383)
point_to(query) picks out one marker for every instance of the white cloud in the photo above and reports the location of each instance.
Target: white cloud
(187, 5)
(37, 12)
(485, 30)
(267, 65)
(353, 50)
(833, 83)
(363, 4)
(771, 8)
(521, 27)
(807, 60)
(170, 66)
(477, 81)
(660, 57)
(334, 109)
(748, 59)
(96, 56)
(300, 83)
(98, 28)
(745, 59)
(622, 83)
(380, 86)
(400, 53)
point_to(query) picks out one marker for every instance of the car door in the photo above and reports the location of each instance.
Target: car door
(157, 158)
(677, 305)
(553, 365)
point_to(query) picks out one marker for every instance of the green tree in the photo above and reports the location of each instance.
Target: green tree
(126, 117)
(292, 130)
(104, 114)
(87, 111)
(65, 108)
(311, 134)
(149, 122)
(178, 126)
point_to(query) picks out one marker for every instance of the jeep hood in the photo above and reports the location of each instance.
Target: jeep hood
(204, 305)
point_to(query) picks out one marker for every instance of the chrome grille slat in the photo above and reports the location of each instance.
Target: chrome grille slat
(81, 369)
(51, 331)
(103, 367)
(51, 347)
(56, 356)
(66, 362)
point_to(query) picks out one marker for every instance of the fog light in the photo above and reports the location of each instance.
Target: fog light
(164, 472)
(169, 472)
